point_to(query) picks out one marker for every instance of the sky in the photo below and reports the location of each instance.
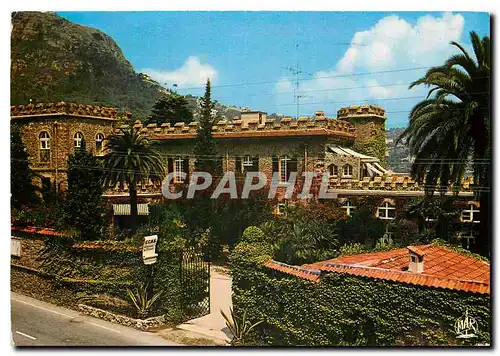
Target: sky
(344, 58)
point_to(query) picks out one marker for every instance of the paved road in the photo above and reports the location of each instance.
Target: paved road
(35, 323)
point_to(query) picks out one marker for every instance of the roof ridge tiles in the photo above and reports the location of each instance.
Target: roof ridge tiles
(299, 268)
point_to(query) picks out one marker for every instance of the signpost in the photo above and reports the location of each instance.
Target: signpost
(15, 246)
(149, 254)
(149, 257)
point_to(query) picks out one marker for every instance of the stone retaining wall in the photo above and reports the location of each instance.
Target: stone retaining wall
(141, 324)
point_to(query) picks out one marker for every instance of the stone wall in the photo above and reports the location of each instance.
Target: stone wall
(41, 287)
(369, 121)
(62, 130)
(141, 324)
(30, 252)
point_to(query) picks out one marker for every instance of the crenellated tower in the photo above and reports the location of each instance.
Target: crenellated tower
(369, 121)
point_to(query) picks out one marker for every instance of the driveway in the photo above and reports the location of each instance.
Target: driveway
(213, 325)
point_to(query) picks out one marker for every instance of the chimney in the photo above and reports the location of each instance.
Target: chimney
(416, 263)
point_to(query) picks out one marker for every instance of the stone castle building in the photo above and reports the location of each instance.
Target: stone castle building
(351, 148)
(51, 132)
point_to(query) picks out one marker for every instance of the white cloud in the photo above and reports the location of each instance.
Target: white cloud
(378, 91)
(192, 72)
(391, 44)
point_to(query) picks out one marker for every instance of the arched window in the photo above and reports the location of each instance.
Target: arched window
(44, 140)
(386, 211)
(78, 139)
(99, 138)
(349, 207)
(333, 170)
(468, 214)
(347, 170)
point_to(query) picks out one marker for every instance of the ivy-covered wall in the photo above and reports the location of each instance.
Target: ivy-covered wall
(98, 273)
(343, 310)
(370, 137)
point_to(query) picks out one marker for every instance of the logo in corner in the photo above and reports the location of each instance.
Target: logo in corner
(466, 327)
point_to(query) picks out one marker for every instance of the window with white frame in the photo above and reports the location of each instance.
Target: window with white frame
(247, 161)
(283, 168)
(468, 236)
(99, 138)
(178, 166)
(334, 170)
(78, 139)
(347, 170)
(470, 214)
(348, 207)
(44, 140)
(386, 211)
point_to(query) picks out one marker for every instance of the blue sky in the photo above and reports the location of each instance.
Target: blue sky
(346, 58)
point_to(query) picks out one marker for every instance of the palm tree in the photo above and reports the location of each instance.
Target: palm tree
(131, 160)
(449, 131)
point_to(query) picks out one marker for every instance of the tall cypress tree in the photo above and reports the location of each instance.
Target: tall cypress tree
(21, 175)
(84, 205)
(205, 148)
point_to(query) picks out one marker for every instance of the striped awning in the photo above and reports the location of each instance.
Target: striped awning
(380, 168)
(343, 151)
(124, 209)
(372, 170)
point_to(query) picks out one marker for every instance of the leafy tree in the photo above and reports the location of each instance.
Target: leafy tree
(305, 234)
(450, 130)
(436, 217)
(362, 227)
(21, 175)
(84, 197)
(405, 233)
(171, 108)
(130, 159)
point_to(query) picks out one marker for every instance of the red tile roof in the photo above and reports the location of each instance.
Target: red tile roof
(37, 230)
(443, 268)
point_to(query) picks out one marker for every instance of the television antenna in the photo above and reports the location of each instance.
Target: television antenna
(295, 72)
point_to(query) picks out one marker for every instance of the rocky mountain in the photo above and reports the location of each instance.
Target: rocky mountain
(398, 155)
(53, 59)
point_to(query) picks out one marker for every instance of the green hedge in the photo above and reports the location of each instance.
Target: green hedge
(344, 310)
(107, 268)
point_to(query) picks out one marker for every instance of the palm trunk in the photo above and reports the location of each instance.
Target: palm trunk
(133, 207)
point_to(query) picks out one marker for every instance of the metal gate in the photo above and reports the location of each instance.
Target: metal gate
(195, 284)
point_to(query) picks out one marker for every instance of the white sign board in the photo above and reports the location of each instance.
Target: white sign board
(148, 250)
(15, 246)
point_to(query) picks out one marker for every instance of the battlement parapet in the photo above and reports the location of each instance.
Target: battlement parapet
(395, 183)
(353, 111)
(224, 128)
(63, 108)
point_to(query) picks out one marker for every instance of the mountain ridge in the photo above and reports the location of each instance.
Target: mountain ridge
(54, 59)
